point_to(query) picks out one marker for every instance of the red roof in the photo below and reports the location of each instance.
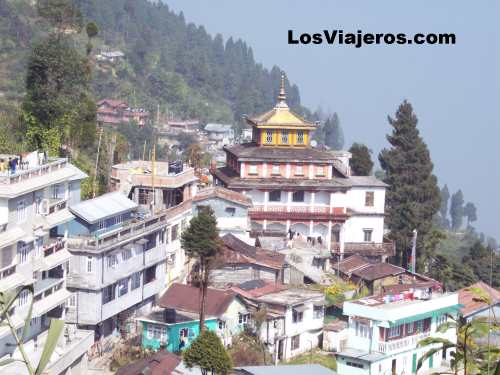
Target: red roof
(223, 193)
(257, 288)
(161, 363)
(187, 298)
(348, 265)
(471, 302)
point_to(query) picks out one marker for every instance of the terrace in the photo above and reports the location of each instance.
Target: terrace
(26, 171)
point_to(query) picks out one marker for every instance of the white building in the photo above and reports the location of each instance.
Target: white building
(220, 134)
(34, 214)
(383, 335)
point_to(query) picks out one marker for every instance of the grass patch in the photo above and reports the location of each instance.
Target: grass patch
(317, 357)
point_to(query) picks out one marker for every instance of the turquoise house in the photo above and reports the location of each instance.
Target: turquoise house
(174, 323)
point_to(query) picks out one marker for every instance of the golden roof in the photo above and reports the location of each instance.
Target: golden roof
(280, 115)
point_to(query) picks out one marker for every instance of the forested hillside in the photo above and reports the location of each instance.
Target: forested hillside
(168, 62)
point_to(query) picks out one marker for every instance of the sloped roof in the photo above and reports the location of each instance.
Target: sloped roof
(223, 193)
(251, 151)
(470, 301)
(160, 363)
(238, 251)
(186, 298)
(257, 288)
(280, 116)
(378, 271)
(352, 263)
(103, 207)
(218, 128)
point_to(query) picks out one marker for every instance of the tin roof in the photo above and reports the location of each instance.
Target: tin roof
(103, 207)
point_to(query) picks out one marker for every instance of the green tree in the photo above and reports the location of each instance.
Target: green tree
(208, 353)
(470, 212)
(413, 195)
(443, 209)
(92, 31)
(361, 161)
(61, 14)
(457, 210)
(201, 242)
(334, 136)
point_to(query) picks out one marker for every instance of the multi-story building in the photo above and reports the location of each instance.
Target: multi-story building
(384, 332)
(116, 112)
(123, 255)
(309, 191)
(34, 214)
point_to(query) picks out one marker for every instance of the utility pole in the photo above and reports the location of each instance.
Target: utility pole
(97, 162)
(414, 252)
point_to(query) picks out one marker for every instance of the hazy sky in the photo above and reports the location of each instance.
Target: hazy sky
(454, 89)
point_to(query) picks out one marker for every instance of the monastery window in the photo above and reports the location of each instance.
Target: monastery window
(252, 169)
(299, 171)
(269, 136)
(394, 331)
(275, 196)
(276, 170)
(295, 342)
(369, 198)
(284, 137)
(368, 235)
(300, 137)
(298, 196)
(320, 171)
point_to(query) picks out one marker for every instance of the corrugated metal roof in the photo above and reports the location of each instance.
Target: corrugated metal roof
(311, 369)
(102, 207)
(218, 128)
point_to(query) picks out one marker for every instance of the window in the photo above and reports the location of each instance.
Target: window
(175, 232)
(269, 136)
(101, 224)
(89, 264)
(252, 169)
(23, 298)
(122, 287)
(297, 316)
(72, 300)
(112, 261)
(22, 211)
(300, 137)
(56, 191)
(23, 252)
(275, 196)
(276, 170)
(362, 330)
(243, 318)
(108, 294)
(368, 235)
(318, 312)
(419, 326)
(320, 171)
(230, 211)
(295, 342)
(135, 280)
(298, 196)
(441, 320)
(155, 332)
(299, 171)
(354, 364)
(222, 324)
(126, 254)
(284, 137)
(150, 274)
(369, 198)
(410, 328)
(394, 331)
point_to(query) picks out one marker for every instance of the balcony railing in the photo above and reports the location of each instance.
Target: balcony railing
(401, 344)
(304, 212)
(25, 174)
(369, 248)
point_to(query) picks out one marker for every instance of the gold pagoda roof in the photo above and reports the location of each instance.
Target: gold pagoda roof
(281, 116)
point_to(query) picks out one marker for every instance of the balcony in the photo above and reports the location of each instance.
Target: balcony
(366, 248)
(26, 174)
(273, 212)
(155, 255)
(401, 344)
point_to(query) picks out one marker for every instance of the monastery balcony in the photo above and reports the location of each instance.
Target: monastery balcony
(20, 175)
(298, 213)
(365, 248)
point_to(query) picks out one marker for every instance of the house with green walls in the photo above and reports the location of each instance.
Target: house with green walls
(174, 323)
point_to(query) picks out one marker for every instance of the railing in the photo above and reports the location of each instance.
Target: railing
(22, 175)
(386, 248)
(134, 229)
(53, 247)
(401, 344)
(272, 211)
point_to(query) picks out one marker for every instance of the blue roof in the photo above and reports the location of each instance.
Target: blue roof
(309, 369)
(103, 207)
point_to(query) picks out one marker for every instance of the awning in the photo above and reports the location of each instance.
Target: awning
(11, 236)
(300, 308)
(430, 314)
(55, 259)
(58, 218)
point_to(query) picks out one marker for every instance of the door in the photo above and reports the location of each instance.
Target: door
(280, 350)
(393, 367)
(414, 363)
(431, 361)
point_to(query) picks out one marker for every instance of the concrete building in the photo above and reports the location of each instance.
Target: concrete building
(122, 256)
(294, 322)
(111, 112)
(220, 134)
(34, 214)
(384, 332)
(301, 190)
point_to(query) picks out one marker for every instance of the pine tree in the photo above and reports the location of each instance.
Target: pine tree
(457, 210)
(413, 195)
(201, 242)
(470, 212)
(208, 353)
(443, 209)
(361, 161)
(334, 136)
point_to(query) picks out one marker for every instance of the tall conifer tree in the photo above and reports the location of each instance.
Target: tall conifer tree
(413, 195)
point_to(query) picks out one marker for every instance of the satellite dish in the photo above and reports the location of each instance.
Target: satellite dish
(314, 143)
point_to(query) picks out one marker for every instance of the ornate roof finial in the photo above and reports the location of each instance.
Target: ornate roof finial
(282, 95)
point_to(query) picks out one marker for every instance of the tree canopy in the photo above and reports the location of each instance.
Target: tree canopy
(457, 210)
(361, 161)
(208, 353)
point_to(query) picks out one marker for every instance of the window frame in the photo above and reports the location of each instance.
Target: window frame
(298, 200)
(295, 342)
(369, 199)
(285, 137)
(269, 137)
(230, 211)
(274, 200)
(394, 331)
(89, 264)
(21, 211)
(123, 285)
(368, 235)
(299, 170)
(300, 137)
(135, 280)
(253, 169)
